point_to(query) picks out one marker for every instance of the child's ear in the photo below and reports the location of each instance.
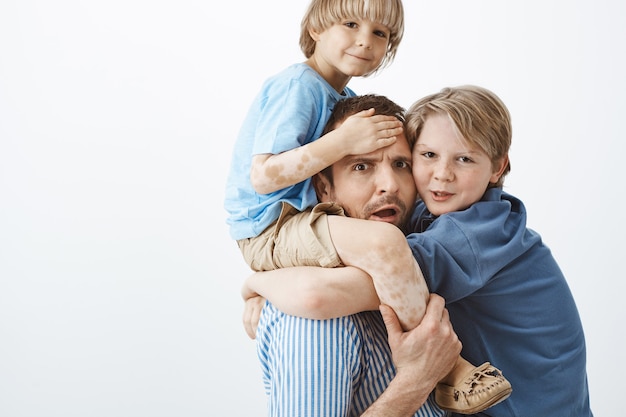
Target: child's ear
(499, 169)
(322, 187)
(315, 35)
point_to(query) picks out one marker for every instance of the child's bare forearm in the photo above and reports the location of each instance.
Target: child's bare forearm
(273, 172)
(361, 133)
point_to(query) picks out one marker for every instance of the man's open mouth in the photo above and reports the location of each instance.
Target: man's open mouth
(386, 213)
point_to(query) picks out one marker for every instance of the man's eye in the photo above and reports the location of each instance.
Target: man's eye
(402, 164)
(360, 167)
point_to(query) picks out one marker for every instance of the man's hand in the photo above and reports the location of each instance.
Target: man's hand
(431, 349)
(423, 356)
(251, 314)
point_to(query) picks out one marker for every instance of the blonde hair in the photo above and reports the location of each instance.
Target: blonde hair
(478, 114)
(322, 14)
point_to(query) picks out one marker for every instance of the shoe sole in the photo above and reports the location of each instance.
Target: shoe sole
(492, 401)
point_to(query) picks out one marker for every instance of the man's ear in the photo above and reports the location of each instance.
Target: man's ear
(322, 187)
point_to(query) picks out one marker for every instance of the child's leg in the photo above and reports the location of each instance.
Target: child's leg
(295, 239)
(381, 250)
(461, 368)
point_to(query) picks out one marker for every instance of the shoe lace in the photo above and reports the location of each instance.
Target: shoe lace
(475, 382)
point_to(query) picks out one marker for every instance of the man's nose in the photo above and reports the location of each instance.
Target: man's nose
(388, 181)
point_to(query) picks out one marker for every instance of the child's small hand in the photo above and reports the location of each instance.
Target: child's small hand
(365, 132)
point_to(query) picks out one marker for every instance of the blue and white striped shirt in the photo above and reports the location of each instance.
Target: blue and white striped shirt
(325, 368)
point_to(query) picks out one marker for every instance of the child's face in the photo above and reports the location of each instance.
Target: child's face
(352, 47)
(450, 173)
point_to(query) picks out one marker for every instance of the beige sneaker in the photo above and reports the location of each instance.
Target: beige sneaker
(482, 388)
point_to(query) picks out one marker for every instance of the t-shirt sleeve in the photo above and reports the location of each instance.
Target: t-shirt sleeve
(288, 117)
(462, 251)
(448, 261)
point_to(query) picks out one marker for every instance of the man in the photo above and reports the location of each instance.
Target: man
(341, 366)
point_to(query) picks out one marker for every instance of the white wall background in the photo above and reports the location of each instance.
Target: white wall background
(118, 281)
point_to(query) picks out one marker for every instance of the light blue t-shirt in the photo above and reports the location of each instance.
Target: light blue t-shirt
(291, 110)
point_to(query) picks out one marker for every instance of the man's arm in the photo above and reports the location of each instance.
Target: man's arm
(314, 292)
(423, 356)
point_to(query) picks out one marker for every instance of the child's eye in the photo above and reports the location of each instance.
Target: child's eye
(428, 155)
(350, 24)
(465, 159)
(380, 34)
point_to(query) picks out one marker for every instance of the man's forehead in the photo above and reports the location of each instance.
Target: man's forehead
(399, 151)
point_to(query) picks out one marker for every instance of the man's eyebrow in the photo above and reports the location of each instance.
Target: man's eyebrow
(356, 159)
(403, 158)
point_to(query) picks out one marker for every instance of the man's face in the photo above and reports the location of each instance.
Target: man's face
(375, 186)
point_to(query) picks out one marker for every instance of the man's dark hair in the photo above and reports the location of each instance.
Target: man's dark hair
(352, 105)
